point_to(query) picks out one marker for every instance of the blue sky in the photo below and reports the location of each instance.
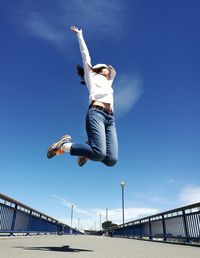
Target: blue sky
(154, 46)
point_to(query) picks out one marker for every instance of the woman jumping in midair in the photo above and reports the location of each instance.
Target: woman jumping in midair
(102, 142)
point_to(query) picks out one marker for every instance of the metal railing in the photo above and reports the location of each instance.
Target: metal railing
(16, 217)
(181, 225)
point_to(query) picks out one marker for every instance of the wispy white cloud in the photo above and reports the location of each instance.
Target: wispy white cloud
(50, 20)
(128, 90)
(69, 204)
(189, 195)
(90, 218)
(62, 201)
(97, 15)
(39, 26)
(129, 213)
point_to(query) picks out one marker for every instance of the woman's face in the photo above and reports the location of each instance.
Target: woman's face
(105, 72)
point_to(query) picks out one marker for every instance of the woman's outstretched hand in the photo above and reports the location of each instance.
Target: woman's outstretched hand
(75, 29)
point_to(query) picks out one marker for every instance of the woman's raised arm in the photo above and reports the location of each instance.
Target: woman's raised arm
(83, 47)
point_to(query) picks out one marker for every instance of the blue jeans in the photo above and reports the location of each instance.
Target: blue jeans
(102, 138)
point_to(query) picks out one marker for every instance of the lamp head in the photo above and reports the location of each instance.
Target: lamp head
(122, 184)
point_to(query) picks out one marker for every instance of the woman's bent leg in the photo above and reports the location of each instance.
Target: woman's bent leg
(96, 149)
(111, 143)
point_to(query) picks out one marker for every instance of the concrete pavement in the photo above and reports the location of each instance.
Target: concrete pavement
(90, 247)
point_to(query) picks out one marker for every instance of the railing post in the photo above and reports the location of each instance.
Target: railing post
(185, 227)
(47, 226)
(140, 229)
(164, 228)
(29, 222)
(40, 225)
(150, 231)
(132, 230)
(13, 220)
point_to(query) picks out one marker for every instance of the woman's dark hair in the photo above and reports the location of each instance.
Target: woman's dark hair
(80, 71)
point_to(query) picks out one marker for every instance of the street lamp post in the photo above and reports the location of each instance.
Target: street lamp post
(72, 215)
(100, 222)
(122, 186)
(106, 214)
(78, 223)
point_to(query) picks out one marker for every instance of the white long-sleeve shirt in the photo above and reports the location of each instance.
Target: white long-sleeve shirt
(99, 87)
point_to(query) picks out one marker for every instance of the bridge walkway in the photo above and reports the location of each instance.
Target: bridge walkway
(90, 247)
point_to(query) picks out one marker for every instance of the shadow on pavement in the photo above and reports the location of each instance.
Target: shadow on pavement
(65, 248)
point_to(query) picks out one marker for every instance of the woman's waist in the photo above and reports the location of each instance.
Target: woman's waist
(106, 107)
(101, 104)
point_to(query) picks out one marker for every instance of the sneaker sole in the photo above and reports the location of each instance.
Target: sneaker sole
(51, 150)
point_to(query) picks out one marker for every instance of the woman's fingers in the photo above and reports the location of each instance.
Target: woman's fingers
(75, 29)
